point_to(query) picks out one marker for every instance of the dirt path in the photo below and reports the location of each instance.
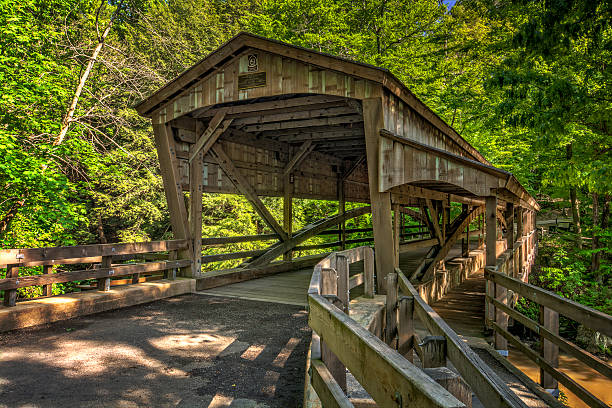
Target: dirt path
(188, 351)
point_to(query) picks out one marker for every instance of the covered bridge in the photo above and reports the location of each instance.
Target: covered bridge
(392, 323)
(262, 118)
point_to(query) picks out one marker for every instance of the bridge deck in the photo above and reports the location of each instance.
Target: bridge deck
(291, 287)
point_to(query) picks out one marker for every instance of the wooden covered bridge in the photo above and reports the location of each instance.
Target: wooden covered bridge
(262, 118)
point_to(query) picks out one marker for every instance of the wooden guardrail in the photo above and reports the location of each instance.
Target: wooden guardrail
(504, 276)
(480, 377)
(102, 258)
(339, 342)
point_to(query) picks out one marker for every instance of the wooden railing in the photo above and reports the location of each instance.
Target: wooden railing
(273, 239)
(102, 260)
(339, 342)
(489, 388)
(507, 276)
(389, 377)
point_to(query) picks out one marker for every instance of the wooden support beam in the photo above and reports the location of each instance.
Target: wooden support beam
(292, 124)
(435, 221)
(308, 231)
(209, 135)
(275, 116)
(300, 155)
(288, 211)
(464, 220)
(341, 210)
(380, 202)
(243, 186)
(195, 210)
(168, 163)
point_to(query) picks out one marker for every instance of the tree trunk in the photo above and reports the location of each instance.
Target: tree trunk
(101, 235)
(605, 221)
(77, 93)
(5, 222)
(574, 204)
(596, 256)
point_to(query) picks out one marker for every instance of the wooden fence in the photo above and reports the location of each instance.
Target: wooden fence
(509, 275)
(102, 260)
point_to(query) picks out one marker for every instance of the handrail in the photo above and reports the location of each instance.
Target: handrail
(101, 255)
(84, 253)
(481, 378)
(346, 343)
(503, 276)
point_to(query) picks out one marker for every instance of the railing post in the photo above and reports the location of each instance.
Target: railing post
(329, 286)
(171, 273)
(405, 329)
(342, 269)
(434, 351)
(10, 296)
(549, 351)
(104, 283)
(368, 271)
(47, 289)
(391, 310)
(491, 256)
(396, 234)
(501, 318)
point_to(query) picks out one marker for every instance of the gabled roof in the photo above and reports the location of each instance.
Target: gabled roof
(244, 40)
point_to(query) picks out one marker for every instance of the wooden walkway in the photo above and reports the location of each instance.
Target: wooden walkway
(291, 288)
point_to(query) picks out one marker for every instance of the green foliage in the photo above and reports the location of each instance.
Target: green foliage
(519, 80)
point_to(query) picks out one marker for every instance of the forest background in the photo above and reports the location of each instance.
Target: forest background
(528, 83)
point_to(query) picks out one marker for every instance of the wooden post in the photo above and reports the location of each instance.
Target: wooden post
(520, 233)
(168, 163)
(329, 286)
(465, 245)
(405, 329)
(47, 289)
(10, 296)
(510, 225)
(171, 273)
(434, 351)
(288, 210)
(368, 272)
(491, 241)
(380, 202)
(195, 211)
(549, 351)
(396, 234)
(445, 218)
(341, 210)
(391, 310)
(342, 269)
(104, 283)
